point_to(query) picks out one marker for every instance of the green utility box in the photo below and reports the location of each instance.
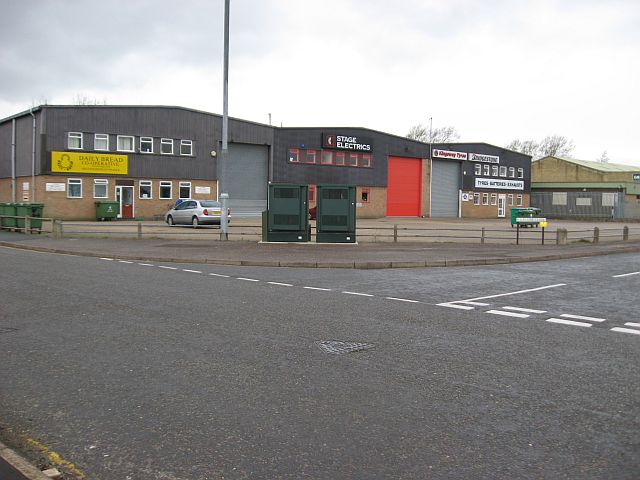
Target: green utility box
(336, 214)
(31, 210)
(524, 213)
(8, 209)
(107, 210)
(287, 218)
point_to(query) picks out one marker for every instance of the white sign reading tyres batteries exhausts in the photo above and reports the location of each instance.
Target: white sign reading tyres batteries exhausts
(497, 183)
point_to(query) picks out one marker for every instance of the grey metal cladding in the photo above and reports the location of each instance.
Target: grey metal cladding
(383, 145)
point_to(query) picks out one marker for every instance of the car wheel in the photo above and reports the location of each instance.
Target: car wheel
(194, 222)
(170, 221)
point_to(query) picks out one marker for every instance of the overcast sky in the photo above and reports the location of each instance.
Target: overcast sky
(496, 70)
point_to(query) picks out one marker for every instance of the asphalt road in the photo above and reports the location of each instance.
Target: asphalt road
(148, 371)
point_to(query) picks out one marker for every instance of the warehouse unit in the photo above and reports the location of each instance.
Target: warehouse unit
(564, 187)
(146, 158)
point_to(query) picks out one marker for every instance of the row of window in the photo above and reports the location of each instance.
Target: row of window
(365, 194)
(484, 169)
(494, 199)
(127, 143)
(145, 189)
(330, 157)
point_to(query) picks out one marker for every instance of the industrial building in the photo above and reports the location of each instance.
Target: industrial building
(148, 157)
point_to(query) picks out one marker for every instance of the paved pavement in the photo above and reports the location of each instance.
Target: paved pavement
(311, 255)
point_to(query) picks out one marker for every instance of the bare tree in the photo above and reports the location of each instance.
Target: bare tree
(551, 145)
(84, 100)
(604, 158)
(437, 135)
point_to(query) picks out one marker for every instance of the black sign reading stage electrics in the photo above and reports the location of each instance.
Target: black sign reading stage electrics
(346, 142)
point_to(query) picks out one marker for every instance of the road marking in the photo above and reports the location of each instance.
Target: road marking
(219, 275)
(146, 264)
(167, 268)
(525, 310)
(247, 279)
(280, 284)
(191, 271)
(514, 293)
(402, 300)
(105, 258)
(580, 317)
(358, 294)
(124, 261)
(631, 324)
(626, 274)
(569, 322)
(477, 304)
(625, 330)
(318, 288)
(508, 314)
(454, 305)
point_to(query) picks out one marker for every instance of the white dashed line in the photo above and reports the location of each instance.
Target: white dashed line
(630, 324)
(477, 304)
(146, 265)
(358, 294)
(124, 261)
(280, 284)
(568, 322)
(402, 300)
(626, 274)
(625, 330)
(508, 314)
(167, 268)
(318, 288)
(105, 258)
(191, 271)
(514, 293)
(580, 317)
(525, 310)
(247, 279)
(219, 275)
(455, 305)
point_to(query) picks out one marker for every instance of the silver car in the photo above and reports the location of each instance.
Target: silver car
(195, 213)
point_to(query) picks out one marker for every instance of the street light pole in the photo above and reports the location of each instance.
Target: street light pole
(224, 226)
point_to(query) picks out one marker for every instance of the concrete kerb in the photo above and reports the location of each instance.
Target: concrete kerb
(17, 463)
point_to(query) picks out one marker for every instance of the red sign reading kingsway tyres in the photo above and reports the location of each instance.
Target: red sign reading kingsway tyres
(448, 154)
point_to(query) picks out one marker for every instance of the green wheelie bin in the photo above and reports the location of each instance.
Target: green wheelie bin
(106, 210)
(9, 209)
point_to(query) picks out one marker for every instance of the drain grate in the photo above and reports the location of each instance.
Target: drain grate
(338, 348)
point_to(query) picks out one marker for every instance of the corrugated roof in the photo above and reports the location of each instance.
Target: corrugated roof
(601, 167)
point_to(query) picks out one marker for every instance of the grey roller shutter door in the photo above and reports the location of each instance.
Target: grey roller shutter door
(445, 183)
(244, 176)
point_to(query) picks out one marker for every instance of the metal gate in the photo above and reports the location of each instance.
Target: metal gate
(445, 186)
(244, 176)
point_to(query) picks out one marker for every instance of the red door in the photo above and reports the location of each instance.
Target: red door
(404, 187)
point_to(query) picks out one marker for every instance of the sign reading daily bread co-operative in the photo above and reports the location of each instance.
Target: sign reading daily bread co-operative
(76, 162)
(449, 154)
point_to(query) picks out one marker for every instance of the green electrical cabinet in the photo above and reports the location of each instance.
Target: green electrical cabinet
(287, 218)
(336, 214)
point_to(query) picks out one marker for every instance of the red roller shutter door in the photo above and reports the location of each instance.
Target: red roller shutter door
(404, 187)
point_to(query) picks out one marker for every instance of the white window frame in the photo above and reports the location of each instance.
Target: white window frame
(510, 199)
(74, 181)
(100, 137)
(133, 143)
(146, 140)
(163, 143)
(184, 184)
(476, 199)
(512, 172)
(477, 169)
(186, 143)
(494, 170)
(494, 199)
(75, 136)
(520, 172)
(101, 181)
(485, 199)
(169, 184)
(503, 171)
(145, 183)
(519, 201)
(487, 170)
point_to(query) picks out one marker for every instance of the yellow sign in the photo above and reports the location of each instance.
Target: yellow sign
(80, 162)
(544, 224)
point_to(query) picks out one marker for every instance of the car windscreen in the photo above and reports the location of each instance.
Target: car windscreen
(210, 204)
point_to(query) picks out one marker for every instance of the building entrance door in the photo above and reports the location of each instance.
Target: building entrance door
(502, 198)
(124, 197)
